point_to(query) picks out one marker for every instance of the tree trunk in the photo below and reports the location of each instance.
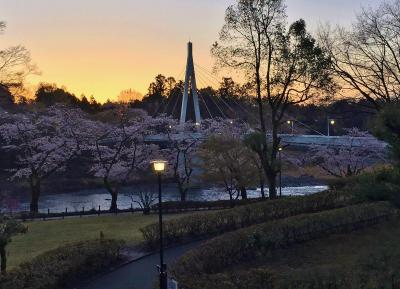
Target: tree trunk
(113, 193)
(114, 198)
(262, 186)
(3, 257)
(272, 185)
(35, 194)
(183, 193)
(243, 193)
(232, 204)
(271, 171)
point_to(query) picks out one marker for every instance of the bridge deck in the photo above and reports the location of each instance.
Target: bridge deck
(295, 140)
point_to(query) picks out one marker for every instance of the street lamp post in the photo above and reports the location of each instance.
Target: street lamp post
(291, 123)
(331, 122)
(280, 171)
(159, 168)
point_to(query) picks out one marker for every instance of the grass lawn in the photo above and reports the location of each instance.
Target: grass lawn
(341, 250)
(46, 235)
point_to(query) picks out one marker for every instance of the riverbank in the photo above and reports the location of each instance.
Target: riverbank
(59, 185)
(98, 198)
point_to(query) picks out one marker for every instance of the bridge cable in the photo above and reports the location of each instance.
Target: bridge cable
(205, 103)
(176, 104)
(220, 98)
(212, 99)
(216, 81)
(167, 98)
(211, 76)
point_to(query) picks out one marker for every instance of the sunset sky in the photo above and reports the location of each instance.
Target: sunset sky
(101, 47)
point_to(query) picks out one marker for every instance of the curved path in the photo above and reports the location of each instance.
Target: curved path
(140, 274)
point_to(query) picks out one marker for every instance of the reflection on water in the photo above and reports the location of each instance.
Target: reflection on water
(92, 199)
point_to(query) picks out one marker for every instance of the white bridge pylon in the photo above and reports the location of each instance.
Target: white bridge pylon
(190, 86)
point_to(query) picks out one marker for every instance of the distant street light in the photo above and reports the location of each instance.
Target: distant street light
(291, 123)
(159, 167)
(331, 122)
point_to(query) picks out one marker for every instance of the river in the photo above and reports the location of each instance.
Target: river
(93, 198)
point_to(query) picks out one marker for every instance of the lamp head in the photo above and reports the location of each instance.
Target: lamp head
(280, 149)
(159, 166)
(333, 122)
(289, 122)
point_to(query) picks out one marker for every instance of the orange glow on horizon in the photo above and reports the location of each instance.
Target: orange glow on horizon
(102, 47)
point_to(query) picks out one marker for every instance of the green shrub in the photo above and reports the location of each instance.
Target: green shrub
(246, 244)
(380, 269)
(202, 225)
(386, 126)
(341, 183)
(65, 265)
(316, 278)
(380, 185)
(249, 279)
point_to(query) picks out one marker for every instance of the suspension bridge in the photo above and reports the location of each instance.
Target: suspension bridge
(196, 104)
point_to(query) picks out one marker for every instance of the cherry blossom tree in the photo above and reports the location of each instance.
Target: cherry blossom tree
(119, 150)
(183, 144)
(183, 141)
(352, 158)
(44, 141)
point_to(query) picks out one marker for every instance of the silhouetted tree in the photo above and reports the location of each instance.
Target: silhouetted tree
(158, 88)
(286, 66)
(366, 58)
(386, 126)
(15, 65)
(50, 94)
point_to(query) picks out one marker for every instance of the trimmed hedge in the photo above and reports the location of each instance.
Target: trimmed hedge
(379, 269)
(203, 225)
(329, 277)
(60, 267)
(249, 279)
(233, 248)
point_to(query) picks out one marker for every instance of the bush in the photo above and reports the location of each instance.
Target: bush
(379, 185)
(203, 225)
(249, 279)
(315, 278)
(380, 269)
(65, 265)
(246, 244)
(386, 126)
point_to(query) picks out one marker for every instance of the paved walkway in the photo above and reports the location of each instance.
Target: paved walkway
(140, 274)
